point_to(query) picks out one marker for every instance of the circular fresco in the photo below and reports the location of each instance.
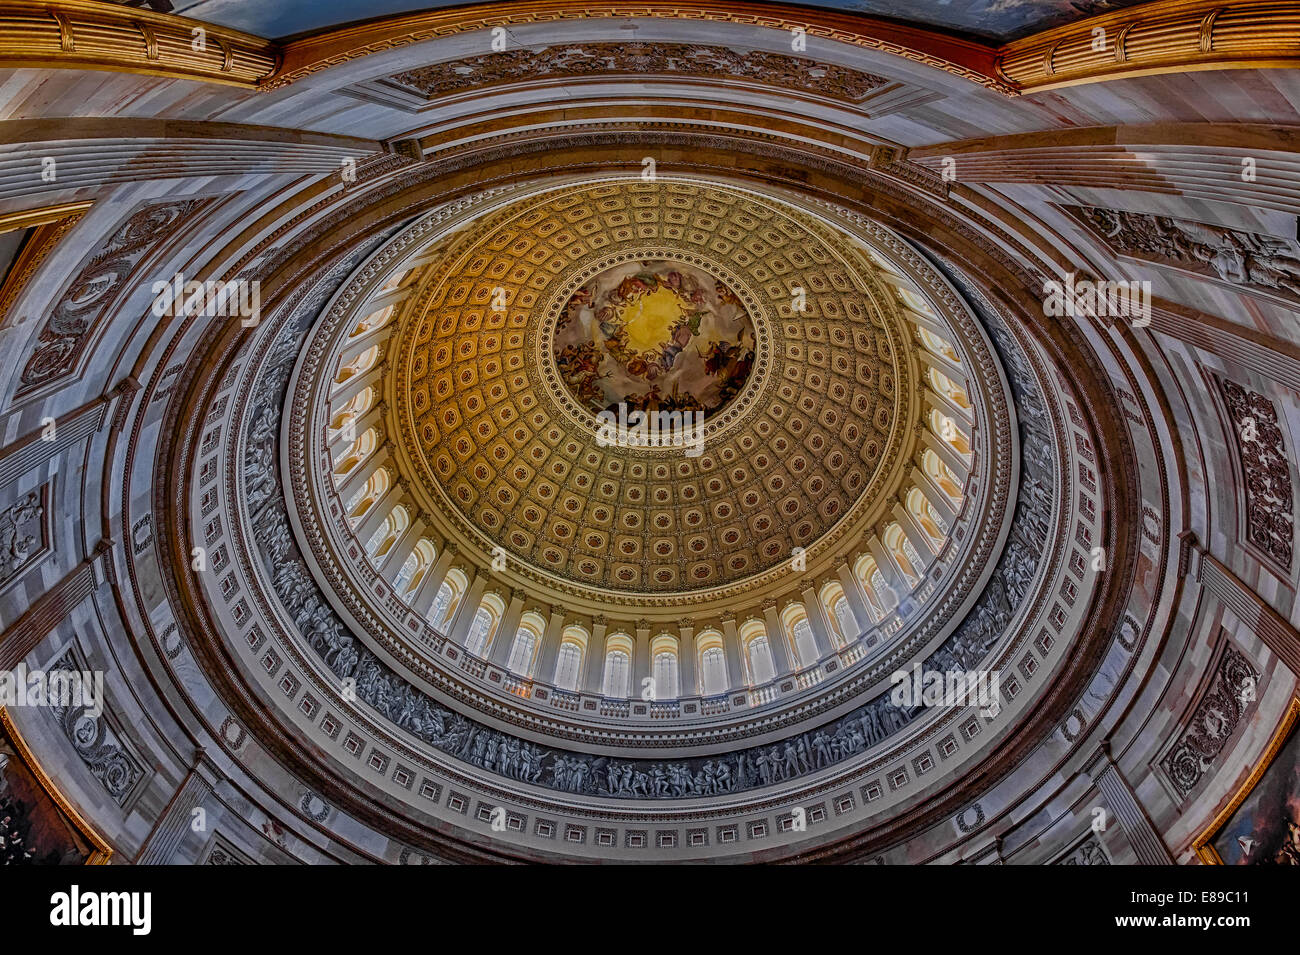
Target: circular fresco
(654, 335)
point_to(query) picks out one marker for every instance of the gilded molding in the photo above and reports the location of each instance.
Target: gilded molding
(1162, 37)
(51, 224)
(106, 36)
(1157, 37)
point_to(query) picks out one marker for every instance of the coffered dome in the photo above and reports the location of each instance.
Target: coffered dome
(810, 436)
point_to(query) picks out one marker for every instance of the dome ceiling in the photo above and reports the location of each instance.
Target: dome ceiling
(665, 296)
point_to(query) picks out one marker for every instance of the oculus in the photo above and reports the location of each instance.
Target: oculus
(654, 336)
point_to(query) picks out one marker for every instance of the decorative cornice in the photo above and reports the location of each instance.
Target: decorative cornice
(965, 58)
(80, 34)
(1151, 38)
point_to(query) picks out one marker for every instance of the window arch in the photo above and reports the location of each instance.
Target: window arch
(618, 666)
(354, 454)
(877, 591)
(528, 638)
(949, 389)
(351, 410)
(937, 345)
(798, 630)
(368, 495)
(942, 475)
(484, 626)
(447, 602)
(711, 663)
(387, 533)
(373, 321)
(415, 567)
(667, 678)
(568, 659)
(758, 655)
(927, 518)
(949, 432)
(904, 555)
(844, 624)
(394, 281)
(359, 365)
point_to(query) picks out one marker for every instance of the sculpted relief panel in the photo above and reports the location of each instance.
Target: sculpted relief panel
(64, 335)
(1217, 716)
(1265, 465)
(602, 60)
(1248, 259)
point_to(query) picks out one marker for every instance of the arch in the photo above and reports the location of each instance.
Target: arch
(368, 495)
(711, 663)
(617, 672)
(923, 512)
(351, 410)
(877, 591)
(949, 432)
(387, 533)
(447, 602)
(949, 389)
(664, 667)
(904, 555)
(527, 642)
(569, 657)
(393, 281)
(351, 456)
(373, 321)
(944, 479)
(357, 366)
(844, 623)
(759, 666)
(487, 620)
(799, 635)
(415, 567)
(939, 346)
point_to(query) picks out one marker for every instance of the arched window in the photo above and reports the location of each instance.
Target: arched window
(441, 608)
(447, 602)
(904, 555)
(880, 596)
(937, 345)
(486, 621)
(568, 659)
(567, 663)
(617, 681)
(387, 533)
(663, 654)
(712, 663)
(394, 281)
(350, 413)
(844, 619)
(949, 432)
(367, 496)
(359, 365)
(943, 478)
(949, 389)
(354, 454)
(373, 321)
(478, 631)
(924, 514)
(415, 567)
(798, 629)
(758, 655)
(844, 626)
(523, 652)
